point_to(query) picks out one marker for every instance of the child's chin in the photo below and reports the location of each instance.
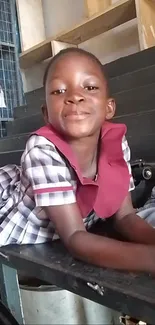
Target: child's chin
(78, 133)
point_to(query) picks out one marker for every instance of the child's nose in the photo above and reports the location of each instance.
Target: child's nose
(74, 98)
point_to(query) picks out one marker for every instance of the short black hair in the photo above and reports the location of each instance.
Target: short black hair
(75, 50)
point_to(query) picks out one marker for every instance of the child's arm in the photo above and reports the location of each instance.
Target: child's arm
(131, 226)
(51, 182)
(95, 249)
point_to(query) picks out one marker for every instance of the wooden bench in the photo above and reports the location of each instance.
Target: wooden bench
(129, 293)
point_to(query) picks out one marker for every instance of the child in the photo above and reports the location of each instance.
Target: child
(75, 170)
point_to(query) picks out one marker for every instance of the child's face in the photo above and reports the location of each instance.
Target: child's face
(76, 96)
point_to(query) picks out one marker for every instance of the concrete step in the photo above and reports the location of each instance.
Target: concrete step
(27, 110)
(128, 80)
(20, 111)
(34, 99)
(140, 129)
(124, 73)
(13, 142)
(10, 157)
(25, 124)
(132, 86)
(132, 80)
(128, 102)
(122, 83)
(129, 72)
(131, 63)
(139, 124)
(37, 95)
(135, 100)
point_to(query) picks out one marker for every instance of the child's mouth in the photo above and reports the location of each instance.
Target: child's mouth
(76, 115)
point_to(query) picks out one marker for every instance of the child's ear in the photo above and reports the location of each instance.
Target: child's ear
(45, 113)
(110, 109)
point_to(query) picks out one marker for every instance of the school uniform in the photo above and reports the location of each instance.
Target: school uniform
(49, 175)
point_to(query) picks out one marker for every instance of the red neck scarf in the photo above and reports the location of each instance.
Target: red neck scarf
(106, 194)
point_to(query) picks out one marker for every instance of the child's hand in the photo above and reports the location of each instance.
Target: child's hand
(98, 250)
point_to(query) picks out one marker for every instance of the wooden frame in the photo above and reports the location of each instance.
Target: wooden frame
(146, 23)
(115, 15)
(31, 22)
(95, 6)
(44, 51)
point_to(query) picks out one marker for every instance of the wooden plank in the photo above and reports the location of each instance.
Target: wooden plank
(35, 55)
(31, 22)
(117, 14)
(41, 52)
(129, 293)
(95, 6)
(58, 46)
(146, 22)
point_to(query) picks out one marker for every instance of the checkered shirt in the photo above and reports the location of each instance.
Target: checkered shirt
(45, 178)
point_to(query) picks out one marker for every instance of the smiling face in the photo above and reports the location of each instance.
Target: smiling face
(76, 96)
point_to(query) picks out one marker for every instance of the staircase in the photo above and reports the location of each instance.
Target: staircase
(132, 83)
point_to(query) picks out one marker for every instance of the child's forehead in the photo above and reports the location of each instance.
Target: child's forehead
(75, 60)
(74, 56)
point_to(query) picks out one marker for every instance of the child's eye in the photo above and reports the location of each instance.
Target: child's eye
(91, 88)
(58, 91)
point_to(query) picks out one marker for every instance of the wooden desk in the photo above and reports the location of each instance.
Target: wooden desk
(129, 293)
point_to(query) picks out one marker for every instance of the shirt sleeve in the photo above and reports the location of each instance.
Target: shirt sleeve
(51, 179)
(127, 156)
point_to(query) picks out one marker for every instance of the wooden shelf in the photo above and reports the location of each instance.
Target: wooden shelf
(117, 14)
(35, 54)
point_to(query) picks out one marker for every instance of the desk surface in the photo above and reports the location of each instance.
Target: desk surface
(130, 293)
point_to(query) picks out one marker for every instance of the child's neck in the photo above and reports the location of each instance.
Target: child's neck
(86, 151)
